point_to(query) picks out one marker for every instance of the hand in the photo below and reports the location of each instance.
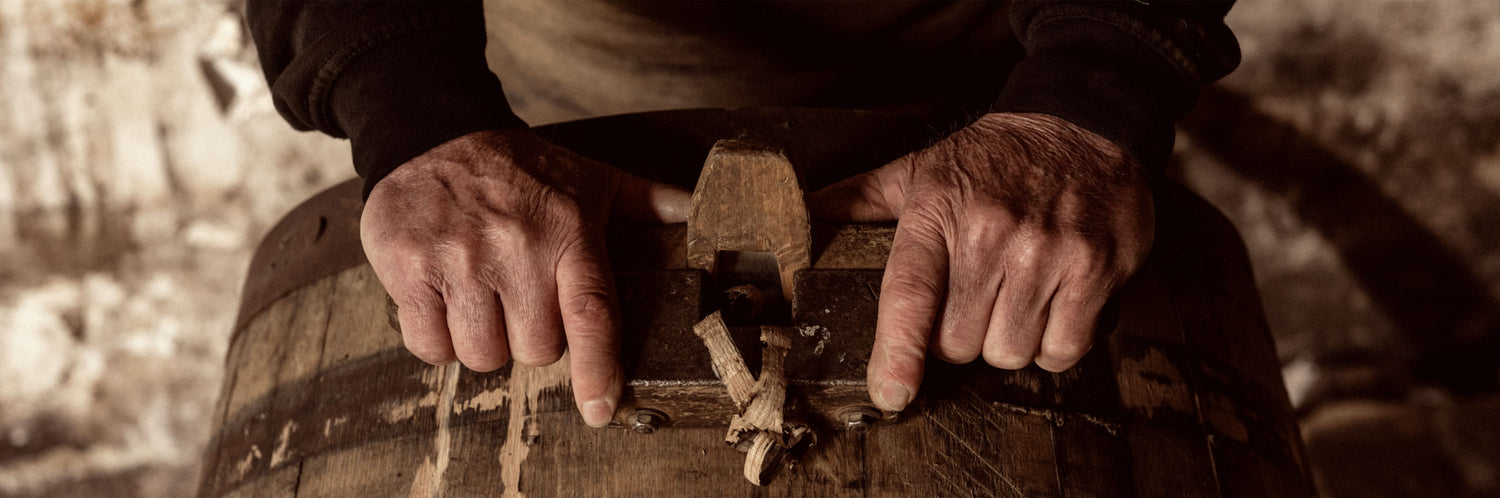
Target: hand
(492, 245)
(1012, 234)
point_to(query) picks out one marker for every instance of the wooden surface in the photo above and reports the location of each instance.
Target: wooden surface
(748, 199)
(1180, 396)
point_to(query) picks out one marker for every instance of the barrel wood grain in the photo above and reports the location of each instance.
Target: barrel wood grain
(1180, 396)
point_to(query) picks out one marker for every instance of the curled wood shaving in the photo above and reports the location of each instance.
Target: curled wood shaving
(728, 364)
(760, 429)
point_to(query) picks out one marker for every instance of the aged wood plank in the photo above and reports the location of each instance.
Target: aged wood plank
(852, 247)
(232, 359)
(381, 468)
(1093, 458)
(357, 327)
(833, 466)
(1243, 471)
(1205, 246)
(281, 483)
(681, 462)
(1146, 304)
(371, 399)
(1150, 356)
(415, 464)
(963, 449)
(280, 344)
(278, 347)
(1170, 461)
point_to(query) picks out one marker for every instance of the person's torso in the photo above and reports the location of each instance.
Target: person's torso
(570, 59)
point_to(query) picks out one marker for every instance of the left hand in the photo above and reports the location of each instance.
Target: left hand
(1011, 235)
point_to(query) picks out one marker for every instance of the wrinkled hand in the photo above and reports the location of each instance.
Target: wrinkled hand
(1012, 234)
(492, 245)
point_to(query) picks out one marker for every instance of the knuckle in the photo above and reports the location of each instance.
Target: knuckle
(1055, 365)
(904, 355)
(909, 292)
(1093, 257)
(509, 231)
(415, 247)
(955, 352)
(460, 262)
(483, 359)
(990, 211)
(1028, 254)
(983, 233)
(538, 353)
(415, 300)
(1011, 350)
(1066, 349)
(1006, 358)
(591, 302)
(925, 219)
(425, 349)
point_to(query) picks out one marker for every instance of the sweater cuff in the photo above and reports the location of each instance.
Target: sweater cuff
(414, 93)
(1103, 79)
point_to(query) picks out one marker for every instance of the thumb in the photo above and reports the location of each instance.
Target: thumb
(873, 196)
(639, 199)
(591, 324)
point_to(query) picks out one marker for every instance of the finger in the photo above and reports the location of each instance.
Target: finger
(1019, 317)
(424, 325)
(639, 199)
(973, 285)
(965, 318)
(475, 321)
(532, 321)
(915, 278)
(590, 319)
(876, 195)
(1070, 325)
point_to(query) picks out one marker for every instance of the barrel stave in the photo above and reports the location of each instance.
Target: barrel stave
(1181, 396)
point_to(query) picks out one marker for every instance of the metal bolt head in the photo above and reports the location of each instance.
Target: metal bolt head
(857, 419)
(646, 420)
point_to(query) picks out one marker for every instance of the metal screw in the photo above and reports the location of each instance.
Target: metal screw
(857, 419)
(646, 420)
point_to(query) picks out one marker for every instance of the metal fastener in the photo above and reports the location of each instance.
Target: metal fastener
(646, 420)
(857, 419)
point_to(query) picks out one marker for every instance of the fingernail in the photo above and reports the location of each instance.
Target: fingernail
(597, 413)
(893, 397)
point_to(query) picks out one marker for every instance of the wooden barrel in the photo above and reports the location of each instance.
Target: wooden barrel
(1182, 394)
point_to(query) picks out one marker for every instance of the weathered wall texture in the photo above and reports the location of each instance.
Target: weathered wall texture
(1358, 149)
(140, 160)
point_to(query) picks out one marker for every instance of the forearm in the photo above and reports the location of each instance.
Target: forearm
(395, 77)
(1125, 70)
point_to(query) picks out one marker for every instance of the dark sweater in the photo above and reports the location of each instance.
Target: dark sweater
(398, 77)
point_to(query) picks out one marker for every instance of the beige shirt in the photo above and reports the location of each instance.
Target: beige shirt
(561, 60)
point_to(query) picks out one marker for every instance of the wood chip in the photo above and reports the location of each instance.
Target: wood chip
(727, 362)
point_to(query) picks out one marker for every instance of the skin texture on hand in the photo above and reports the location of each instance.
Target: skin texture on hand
(1011, 235)
(492, 245)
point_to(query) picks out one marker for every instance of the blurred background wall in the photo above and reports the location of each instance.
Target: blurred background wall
(1357, 149)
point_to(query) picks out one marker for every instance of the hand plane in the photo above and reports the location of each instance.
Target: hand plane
(750, 254)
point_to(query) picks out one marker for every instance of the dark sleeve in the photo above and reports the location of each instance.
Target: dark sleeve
(1126, 70)
(395, 77)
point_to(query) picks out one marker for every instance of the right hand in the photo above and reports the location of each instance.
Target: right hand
(492, 246)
